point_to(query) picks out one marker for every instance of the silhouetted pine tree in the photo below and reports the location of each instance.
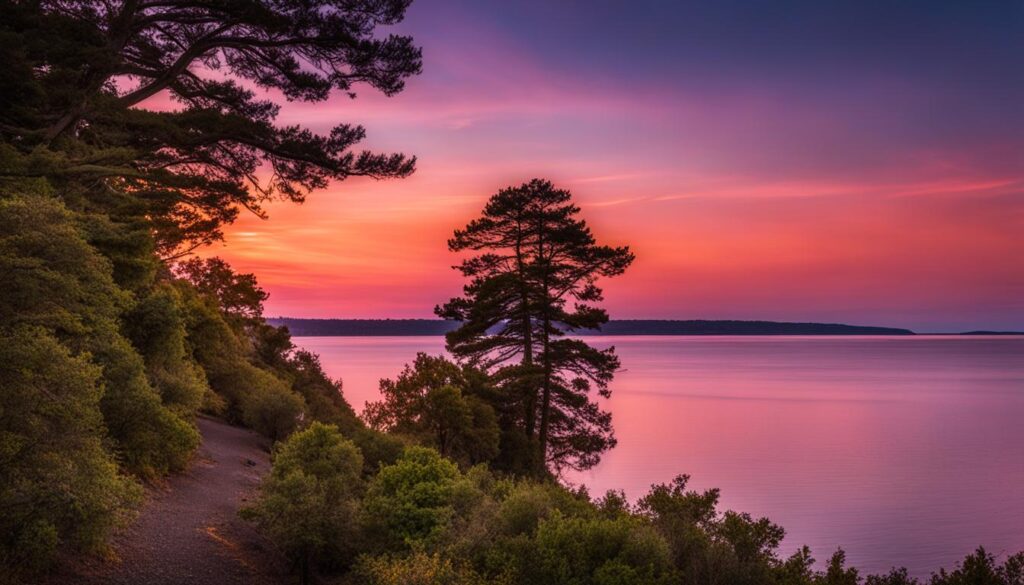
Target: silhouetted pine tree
(533, 282)
(75, 69)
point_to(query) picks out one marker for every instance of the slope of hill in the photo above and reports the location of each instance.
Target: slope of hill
(189, 531)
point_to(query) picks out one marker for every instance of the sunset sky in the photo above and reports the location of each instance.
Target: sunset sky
(858, 162)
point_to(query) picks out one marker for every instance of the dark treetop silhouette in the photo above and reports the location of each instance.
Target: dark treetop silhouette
(74, 69)
(536, 256)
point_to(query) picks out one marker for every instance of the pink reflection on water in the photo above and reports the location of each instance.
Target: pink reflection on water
(904, 451)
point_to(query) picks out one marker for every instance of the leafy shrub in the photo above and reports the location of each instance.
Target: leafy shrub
(271, 408)
(413, 500)
(308, 505)
(579, 551)
(418, 568)
(58, 486)
(156, 327)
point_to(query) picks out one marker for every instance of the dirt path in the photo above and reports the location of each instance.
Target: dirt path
(189, 530)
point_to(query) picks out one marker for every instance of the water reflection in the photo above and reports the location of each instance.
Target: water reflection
(901, 450)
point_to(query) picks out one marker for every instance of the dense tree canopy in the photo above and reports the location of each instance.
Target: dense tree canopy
(132, 132)
(440, 404)
(76, 70)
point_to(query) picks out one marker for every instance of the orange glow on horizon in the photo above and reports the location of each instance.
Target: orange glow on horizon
(744, 198)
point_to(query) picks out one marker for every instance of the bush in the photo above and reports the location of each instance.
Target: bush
(379, 449)
(58, 486)
(419, 568)
(270, 408)
(308, 505)
(412, 501)
(580, 551)
(156, 327)
(530, 503)
(151, 439)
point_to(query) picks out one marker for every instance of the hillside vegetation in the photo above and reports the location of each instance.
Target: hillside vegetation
(112, 336)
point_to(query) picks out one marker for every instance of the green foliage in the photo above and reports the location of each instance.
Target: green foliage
(981, 568)
(156, 327)
(271, 408)
(64, 285)
(836, 573)
(125, 240)
(893, 577)
(579, 551)
(528, 504)
(438, 403)
(412, 501)
(324, 399)
(53, 278)
(258, 376)
(308, 505)
(237, 295)
(418, 568)
(151, 438)
(248, 394)
(379, 449)
(707, 544)
(422, 520)
(59, 485)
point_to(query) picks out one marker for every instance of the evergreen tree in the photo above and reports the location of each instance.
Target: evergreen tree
(535, 281)
(76, 70)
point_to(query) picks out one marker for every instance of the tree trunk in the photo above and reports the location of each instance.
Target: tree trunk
(531, 390)
(545, 338)
(442, 440)
(530, 413)
(93, 79)
(545, 406)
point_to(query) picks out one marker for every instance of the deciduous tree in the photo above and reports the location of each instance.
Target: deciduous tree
(438, 403)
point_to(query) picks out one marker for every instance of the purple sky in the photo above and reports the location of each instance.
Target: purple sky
(829, 161)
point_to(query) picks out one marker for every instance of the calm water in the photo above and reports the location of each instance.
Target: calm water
(904, 451)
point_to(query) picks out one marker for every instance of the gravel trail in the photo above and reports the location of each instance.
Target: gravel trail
(188, 531)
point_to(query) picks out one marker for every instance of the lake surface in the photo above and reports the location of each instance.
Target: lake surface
(903, 450)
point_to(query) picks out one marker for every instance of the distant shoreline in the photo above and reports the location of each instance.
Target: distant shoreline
(427, 327)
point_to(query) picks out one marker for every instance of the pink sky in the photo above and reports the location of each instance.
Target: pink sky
(745, 201)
